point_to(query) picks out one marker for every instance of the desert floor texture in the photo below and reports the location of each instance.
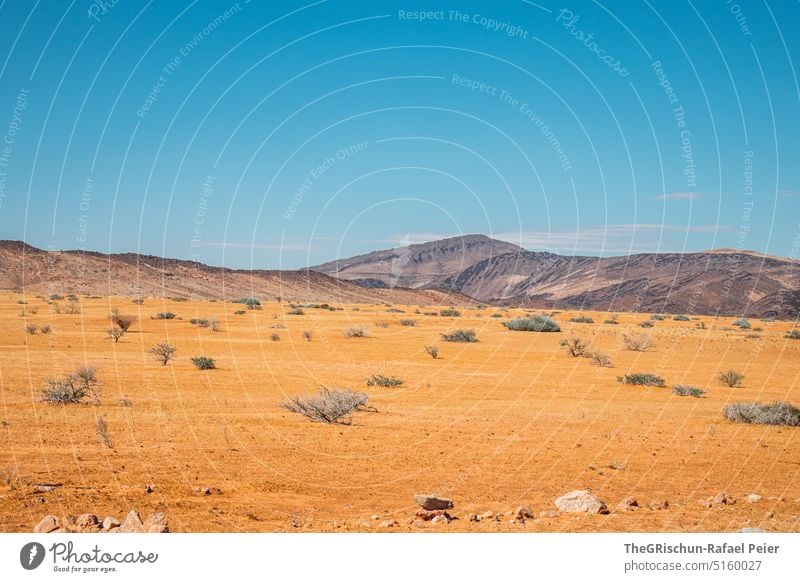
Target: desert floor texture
(506, 422)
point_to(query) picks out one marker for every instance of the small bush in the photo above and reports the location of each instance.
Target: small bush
(702, 325)
(239, 312)
(730, 378)
(394, 310)
(692, 391)
(73, 307)
(611, 322)
(115, 334)
(680, 318)
(382, 324)
(178, 299)
(450, 313)
(658, 317)
(460, 336)
(383, 381)
(356, 331)
(328, 406)
(164, 315)
(138, 301)
(45, 329)
(642, 379)
(497, 315)
(432, 351)
(431, 313)
(408, 322)
(641, 342)
(794, 334)
(296, 311)
(55, 297)
(78, 387)
(602, 360)
(276, 337)
(575, 346)
(647, 323)
(163, 352)
(204, 363)
(582, 319)
(123, 322)
(741, 323)
(31, 329)
(539, 323)
(199, 322)
(308, 335)
(213, 325)
(777, 413)
(250, 302)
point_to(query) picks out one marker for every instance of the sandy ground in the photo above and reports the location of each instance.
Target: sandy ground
(509, 421)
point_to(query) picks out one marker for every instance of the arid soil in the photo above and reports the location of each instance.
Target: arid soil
(511, 420)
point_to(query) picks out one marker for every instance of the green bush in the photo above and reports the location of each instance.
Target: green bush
(204, 363)
(658, 317)
(250, 302)
(450, 313)
(642, 379)
(692, 391)
(539, 323)
(460, 336)
(741, 323)
(164, 315)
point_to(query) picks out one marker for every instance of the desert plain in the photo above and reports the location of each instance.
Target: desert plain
(511, 420)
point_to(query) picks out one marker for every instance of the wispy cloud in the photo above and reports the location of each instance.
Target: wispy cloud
(258, 246)
(680, 196)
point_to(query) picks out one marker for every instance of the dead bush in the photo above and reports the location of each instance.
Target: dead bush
(640, 342)
(328, 406)
(575, 346)
(123, 322)
(81, 386)
(163, 352)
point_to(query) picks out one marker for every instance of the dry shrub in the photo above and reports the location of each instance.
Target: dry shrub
(460, 336)
(356, 331)
(123, 322)
(328, 406)
(432, 351)
(730, 378)
(602, 360)
(640, 342)
(384, 381)
(163, 352)
(115, 333)
(680, 390)
(80, 386)
(776, 413)
(575, 346)
(101, 427)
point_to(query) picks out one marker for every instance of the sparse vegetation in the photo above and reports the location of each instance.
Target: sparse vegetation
(538, 323)
(213, 325)
(575, 346)
(642, 379)
(383, 381)
(408, 322)
(680, 318)
(394, 310)
(308, 335)
(115, 333)
(730, 378)
(101, 428)
(497, 315)
(45, 329)
(31, 329)
(640, 342)
(296, 311)
(276, 337)
(432, 351)
(741, 323)
(356, 331)
(204, 363)
(382, 324)
(450, 312)
(582, 319)
(250, 302)
(658, 317)
(81, 386)
(199, 322)
(163, 352)
(72, 307)
(777, 413)
(611, 322)
(692, 391)
(123, 322)
(239, 312)
(460, 336)
(328, 406)
(793, 334)
(602, 360)
(164, 315)
(647, 323)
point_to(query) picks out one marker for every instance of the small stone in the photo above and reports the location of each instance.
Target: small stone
(522, 513)
(705, 503)
(751, 530)
(87, 523)
(628, 504)
(753, 498)
(487, 515)
(722, 499)
(46, 487)
(388, 523)
(149, 488)
(474, 517)
(132, 523)
(49, 523)
(548, 513)
(769, 514)
(444, 518)
(110, 522)
(581, 502)
(432, 503)
(659, 505)
(156, 523)
(426, 515)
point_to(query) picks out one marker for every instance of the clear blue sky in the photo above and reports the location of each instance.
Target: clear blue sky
(282, 133)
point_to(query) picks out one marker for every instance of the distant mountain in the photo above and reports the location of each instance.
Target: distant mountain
(418, 266)
(723, 281)
(26, 268)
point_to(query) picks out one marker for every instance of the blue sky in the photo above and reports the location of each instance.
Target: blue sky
(284, 134)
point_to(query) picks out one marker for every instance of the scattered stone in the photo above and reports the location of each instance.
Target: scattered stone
(659, 505)
(156, 523)
(522, 513)
(432, 503)
(388, 523)
(753, 498)
(149, 488)
(426, 515)
(769, 514)
(87, 523)
(723, 499)
(581, 502)
(474, 517)
(110, 522)
(487, 515)
(132, 523)
(444, 518)
(751, 530)
(705, 503)
(629, 504)
(49, 523)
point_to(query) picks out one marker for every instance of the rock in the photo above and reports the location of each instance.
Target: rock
(769, 515)
(628, 504)
(426, 515)
(375, 517)
(581, 502)
(46, 487)
(388, 523)
(132, 523)
(149, 488)
(432, 503)
(110, 522)
(751, 530)
(156, 523)
(87, 523)
(70, 523)
(444, 518)
(753, 498)
(723, 499)
(474, 517)
(659, 505)
(487, 515)
(522, 513)
(705, 503)
(549, 513)
(49, 523)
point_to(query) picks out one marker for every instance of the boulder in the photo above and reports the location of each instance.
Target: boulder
(487, 515)
(49, 523)
(474, 517)
(110, 522)
(581, 502)
(432, 503)
(132, 523)
(659, 505)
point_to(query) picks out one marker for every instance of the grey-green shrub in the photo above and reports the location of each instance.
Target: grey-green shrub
(450, 313)
(328, 406)
(408, 322)
(777, 413)
(582, 319)
(681, 390)
(642, 379)
(680, 318)
(204, 363)
(383, 381)
(730, 378)
(538, 323)
(460, 336)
